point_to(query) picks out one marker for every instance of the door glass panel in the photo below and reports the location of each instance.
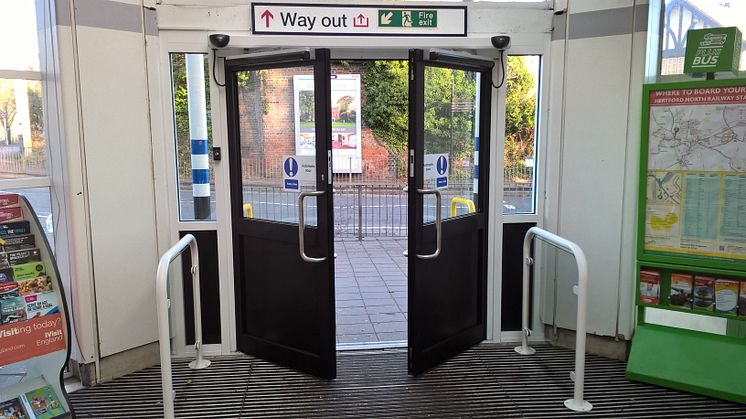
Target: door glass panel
(276, 119)
(451, 106)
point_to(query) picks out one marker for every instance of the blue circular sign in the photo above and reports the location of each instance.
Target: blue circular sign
(442, 165)
(291, 167)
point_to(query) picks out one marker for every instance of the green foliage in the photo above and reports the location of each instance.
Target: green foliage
(386, 108)
(7, 107)
(345, 113)
(181, 111)
(449, 112)
(36, 113)
(449, 109)
(306, 106)
(520, 104)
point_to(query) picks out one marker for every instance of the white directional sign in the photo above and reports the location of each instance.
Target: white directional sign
(341, 19)
(436, 168)
(298, 171)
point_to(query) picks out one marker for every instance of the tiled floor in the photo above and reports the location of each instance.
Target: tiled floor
(371, 289)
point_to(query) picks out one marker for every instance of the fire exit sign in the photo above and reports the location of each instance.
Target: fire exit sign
(402, 18)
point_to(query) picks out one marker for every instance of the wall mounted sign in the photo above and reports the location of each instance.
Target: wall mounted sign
(346, 120)
(712, 50)
(357, 20)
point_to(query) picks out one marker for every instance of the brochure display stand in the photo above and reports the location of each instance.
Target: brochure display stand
(34, 326)
(691, 256)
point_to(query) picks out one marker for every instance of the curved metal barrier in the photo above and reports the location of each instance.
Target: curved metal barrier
(581, 290)
(248, 210)
(164, 304)
(455, 202)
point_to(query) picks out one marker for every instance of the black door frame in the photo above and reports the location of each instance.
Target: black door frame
(319, 240)
(422, 237)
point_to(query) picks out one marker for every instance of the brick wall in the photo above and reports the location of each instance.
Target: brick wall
(267, 126)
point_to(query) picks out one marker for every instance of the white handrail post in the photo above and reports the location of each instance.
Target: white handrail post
(162, 307)
(524, 349)
(199, 362)
(163, 304)
(576, 403)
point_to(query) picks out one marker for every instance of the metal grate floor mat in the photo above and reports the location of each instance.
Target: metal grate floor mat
(486, 381)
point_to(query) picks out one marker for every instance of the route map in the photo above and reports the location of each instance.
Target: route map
(696, 177)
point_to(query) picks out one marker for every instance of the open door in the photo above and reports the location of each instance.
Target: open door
(282, 238)
(449, 139)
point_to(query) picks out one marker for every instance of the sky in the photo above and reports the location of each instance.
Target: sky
(19, 49)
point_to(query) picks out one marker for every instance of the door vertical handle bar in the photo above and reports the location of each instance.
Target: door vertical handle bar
(438, 226)
(302, 226)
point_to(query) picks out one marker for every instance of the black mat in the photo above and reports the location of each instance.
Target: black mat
(487, 381)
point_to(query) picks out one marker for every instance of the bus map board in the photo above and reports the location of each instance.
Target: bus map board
(695, 182)
(691, 247)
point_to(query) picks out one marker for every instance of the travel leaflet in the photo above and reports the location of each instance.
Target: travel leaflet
(44, 403)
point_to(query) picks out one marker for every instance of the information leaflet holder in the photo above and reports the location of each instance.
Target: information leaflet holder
(691, 247)
(34, 322)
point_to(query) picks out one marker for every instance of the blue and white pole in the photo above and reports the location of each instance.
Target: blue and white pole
(195, 73)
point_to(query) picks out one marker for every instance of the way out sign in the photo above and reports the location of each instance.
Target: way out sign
(298, 171)
(357, 20)
(436, 168)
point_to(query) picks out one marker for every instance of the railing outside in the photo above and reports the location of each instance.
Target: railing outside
(163, 305)
(14, 161)
(581, 290)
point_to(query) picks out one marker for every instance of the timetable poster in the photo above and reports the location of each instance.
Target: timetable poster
(696, 172)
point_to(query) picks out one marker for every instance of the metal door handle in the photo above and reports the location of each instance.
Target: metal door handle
(438, 229)
(302, 226)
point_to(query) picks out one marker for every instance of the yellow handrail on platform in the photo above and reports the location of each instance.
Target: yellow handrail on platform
(462, 201)
(248, 210)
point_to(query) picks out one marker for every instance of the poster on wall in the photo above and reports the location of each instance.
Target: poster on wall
(346, 121)
(695, 201)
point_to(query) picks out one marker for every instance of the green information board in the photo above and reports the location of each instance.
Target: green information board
(691, 254)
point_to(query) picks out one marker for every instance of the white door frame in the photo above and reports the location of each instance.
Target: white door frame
(197, 42)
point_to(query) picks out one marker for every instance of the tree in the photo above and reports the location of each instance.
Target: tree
(7, 106)
(181, 111)
(306, 106)
(345, 113)
(520, 108)
(386, 108)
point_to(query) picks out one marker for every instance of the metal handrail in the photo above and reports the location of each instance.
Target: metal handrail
(302, 227)
(163, 305)
(576, 403)
(438, 223)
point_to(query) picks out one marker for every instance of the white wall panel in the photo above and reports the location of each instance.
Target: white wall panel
(592, 178)
(120, 185)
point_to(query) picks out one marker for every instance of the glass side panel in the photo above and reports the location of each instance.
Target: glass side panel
(193, 135)
(276, 112)
(18, 29)
(22, 144)
(522, 94)
(450, 146)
